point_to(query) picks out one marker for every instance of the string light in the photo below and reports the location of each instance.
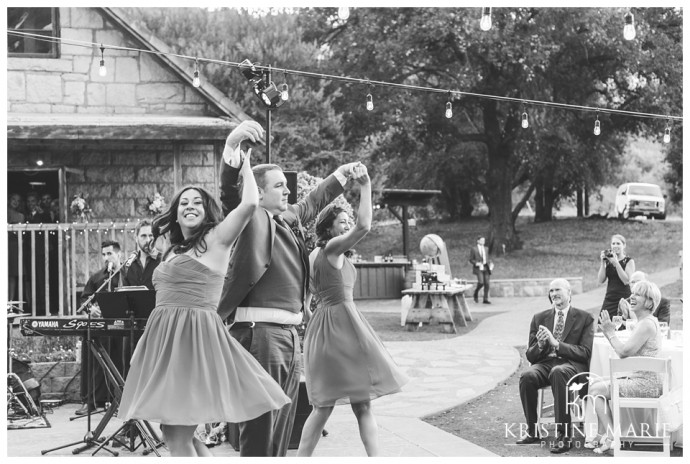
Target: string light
(350, 80)
(449, 107)
(343, 13)
(370, 100)
(101, 67)
(525, 121)
(284, 88)
(485, 22)
(629, 28)
(667, 132)
(196, 82)
(597, 126)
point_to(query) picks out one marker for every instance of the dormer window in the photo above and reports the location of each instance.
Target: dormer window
(42, 22)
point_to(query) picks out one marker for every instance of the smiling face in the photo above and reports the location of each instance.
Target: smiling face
(341, 225)
(273, 196)
(617, 246)
(190, 211)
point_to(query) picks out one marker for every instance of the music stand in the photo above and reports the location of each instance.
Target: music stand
(133, 304)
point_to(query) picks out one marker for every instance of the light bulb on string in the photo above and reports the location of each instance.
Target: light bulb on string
(102, 71)
(196, 82)
(284, 89)
(485, 22)
(343, 13)
(629, 28)
(667, 132)
(449, 107)
(370, 102)
(597, 127)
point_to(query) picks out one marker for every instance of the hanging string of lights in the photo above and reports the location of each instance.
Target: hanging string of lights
(266, 91)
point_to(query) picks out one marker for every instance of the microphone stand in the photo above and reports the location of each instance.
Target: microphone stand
(89, 439)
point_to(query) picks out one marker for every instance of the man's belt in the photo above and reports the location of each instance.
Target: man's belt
(253, 325)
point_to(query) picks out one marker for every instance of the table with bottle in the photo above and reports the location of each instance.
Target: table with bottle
(437, 299)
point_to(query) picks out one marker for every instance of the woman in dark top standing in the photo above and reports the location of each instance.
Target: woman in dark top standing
(616, 267)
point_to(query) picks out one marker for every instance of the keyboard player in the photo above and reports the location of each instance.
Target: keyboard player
(99, 394)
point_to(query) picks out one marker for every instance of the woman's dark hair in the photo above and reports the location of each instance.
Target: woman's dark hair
(324, 222)
(166, 223)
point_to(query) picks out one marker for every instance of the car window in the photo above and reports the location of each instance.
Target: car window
(651, 190)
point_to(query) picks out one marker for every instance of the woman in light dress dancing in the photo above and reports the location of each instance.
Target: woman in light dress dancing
(187, 369)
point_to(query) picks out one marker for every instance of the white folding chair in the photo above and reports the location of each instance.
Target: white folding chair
(621, 368)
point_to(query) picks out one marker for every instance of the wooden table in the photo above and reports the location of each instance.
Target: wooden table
(445, 307)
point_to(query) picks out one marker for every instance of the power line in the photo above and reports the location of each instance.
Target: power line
(353, 80)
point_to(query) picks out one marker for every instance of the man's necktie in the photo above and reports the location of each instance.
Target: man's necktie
(279, 220)
(558, 331)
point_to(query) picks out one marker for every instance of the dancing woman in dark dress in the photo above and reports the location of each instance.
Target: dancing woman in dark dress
(345, 362)
(617, 269)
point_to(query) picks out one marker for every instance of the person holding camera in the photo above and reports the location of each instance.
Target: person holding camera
(616, 268)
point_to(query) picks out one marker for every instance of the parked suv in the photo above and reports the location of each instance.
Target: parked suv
(637, 199)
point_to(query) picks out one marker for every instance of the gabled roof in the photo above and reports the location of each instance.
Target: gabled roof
(178, 66)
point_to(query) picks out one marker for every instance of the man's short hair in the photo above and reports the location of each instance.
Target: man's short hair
(112, 243)
(563, 282)
(140, 224)
(260, 171)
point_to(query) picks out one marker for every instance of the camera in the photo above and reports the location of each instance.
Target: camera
(608, 253)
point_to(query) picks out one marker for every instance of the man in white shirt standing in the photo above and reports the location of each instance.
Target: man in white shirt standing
(481, 267)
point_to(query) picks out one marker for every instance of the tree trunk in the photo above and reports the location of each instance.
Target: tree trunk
(466, 207)
(586, 200)
(502, 235)
(579, 203)
(543, 199)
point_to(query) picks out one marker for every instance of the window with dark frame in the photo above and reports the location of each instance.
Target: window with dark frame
(38, 21)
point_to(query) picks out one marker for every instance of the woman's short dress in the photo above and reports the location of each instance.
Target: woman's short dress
(186, 368)
(345, 362)
(615, 288)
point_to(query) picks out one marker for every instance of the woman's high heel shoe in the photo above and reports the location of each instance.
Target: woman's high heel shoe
(605, 446)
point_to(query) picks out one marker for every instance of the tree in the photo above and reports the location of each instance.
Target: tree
(574, 56)
(306, 131)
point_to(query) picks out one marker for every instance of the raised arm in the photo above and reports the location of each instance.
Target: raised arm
(228, 230)
(229, 170)
(339, 245)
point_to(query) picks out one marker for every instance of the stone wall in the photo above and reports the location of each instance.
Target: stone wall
(116, 178)
(58, 380)
(529, 287)
(135, 83)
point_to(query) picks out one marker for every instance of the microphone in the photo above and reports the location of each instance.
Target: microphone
(110, 267)
(131, 259)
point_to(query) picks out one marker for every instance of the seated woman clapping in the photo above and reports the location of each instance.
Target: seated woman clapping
(645, 340)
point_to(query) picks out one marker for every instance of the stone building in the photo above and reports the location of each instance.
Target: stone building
(115, 139)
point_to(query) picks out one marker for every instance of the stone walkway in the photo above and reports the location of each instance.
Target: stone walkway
(443, 374)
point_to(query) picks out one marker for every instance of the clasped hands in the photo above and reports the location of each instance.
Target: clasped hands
(545, 336)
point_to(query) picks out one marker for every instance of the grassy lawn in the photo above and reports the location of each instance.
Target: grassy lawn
(564, 247)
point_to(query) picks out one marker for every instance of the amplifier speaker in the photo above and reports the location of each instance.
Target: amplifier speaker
(291, 177)
(303, 411)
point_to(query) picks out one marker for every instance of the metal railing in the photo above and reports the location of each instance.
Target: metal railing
(54, 261)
